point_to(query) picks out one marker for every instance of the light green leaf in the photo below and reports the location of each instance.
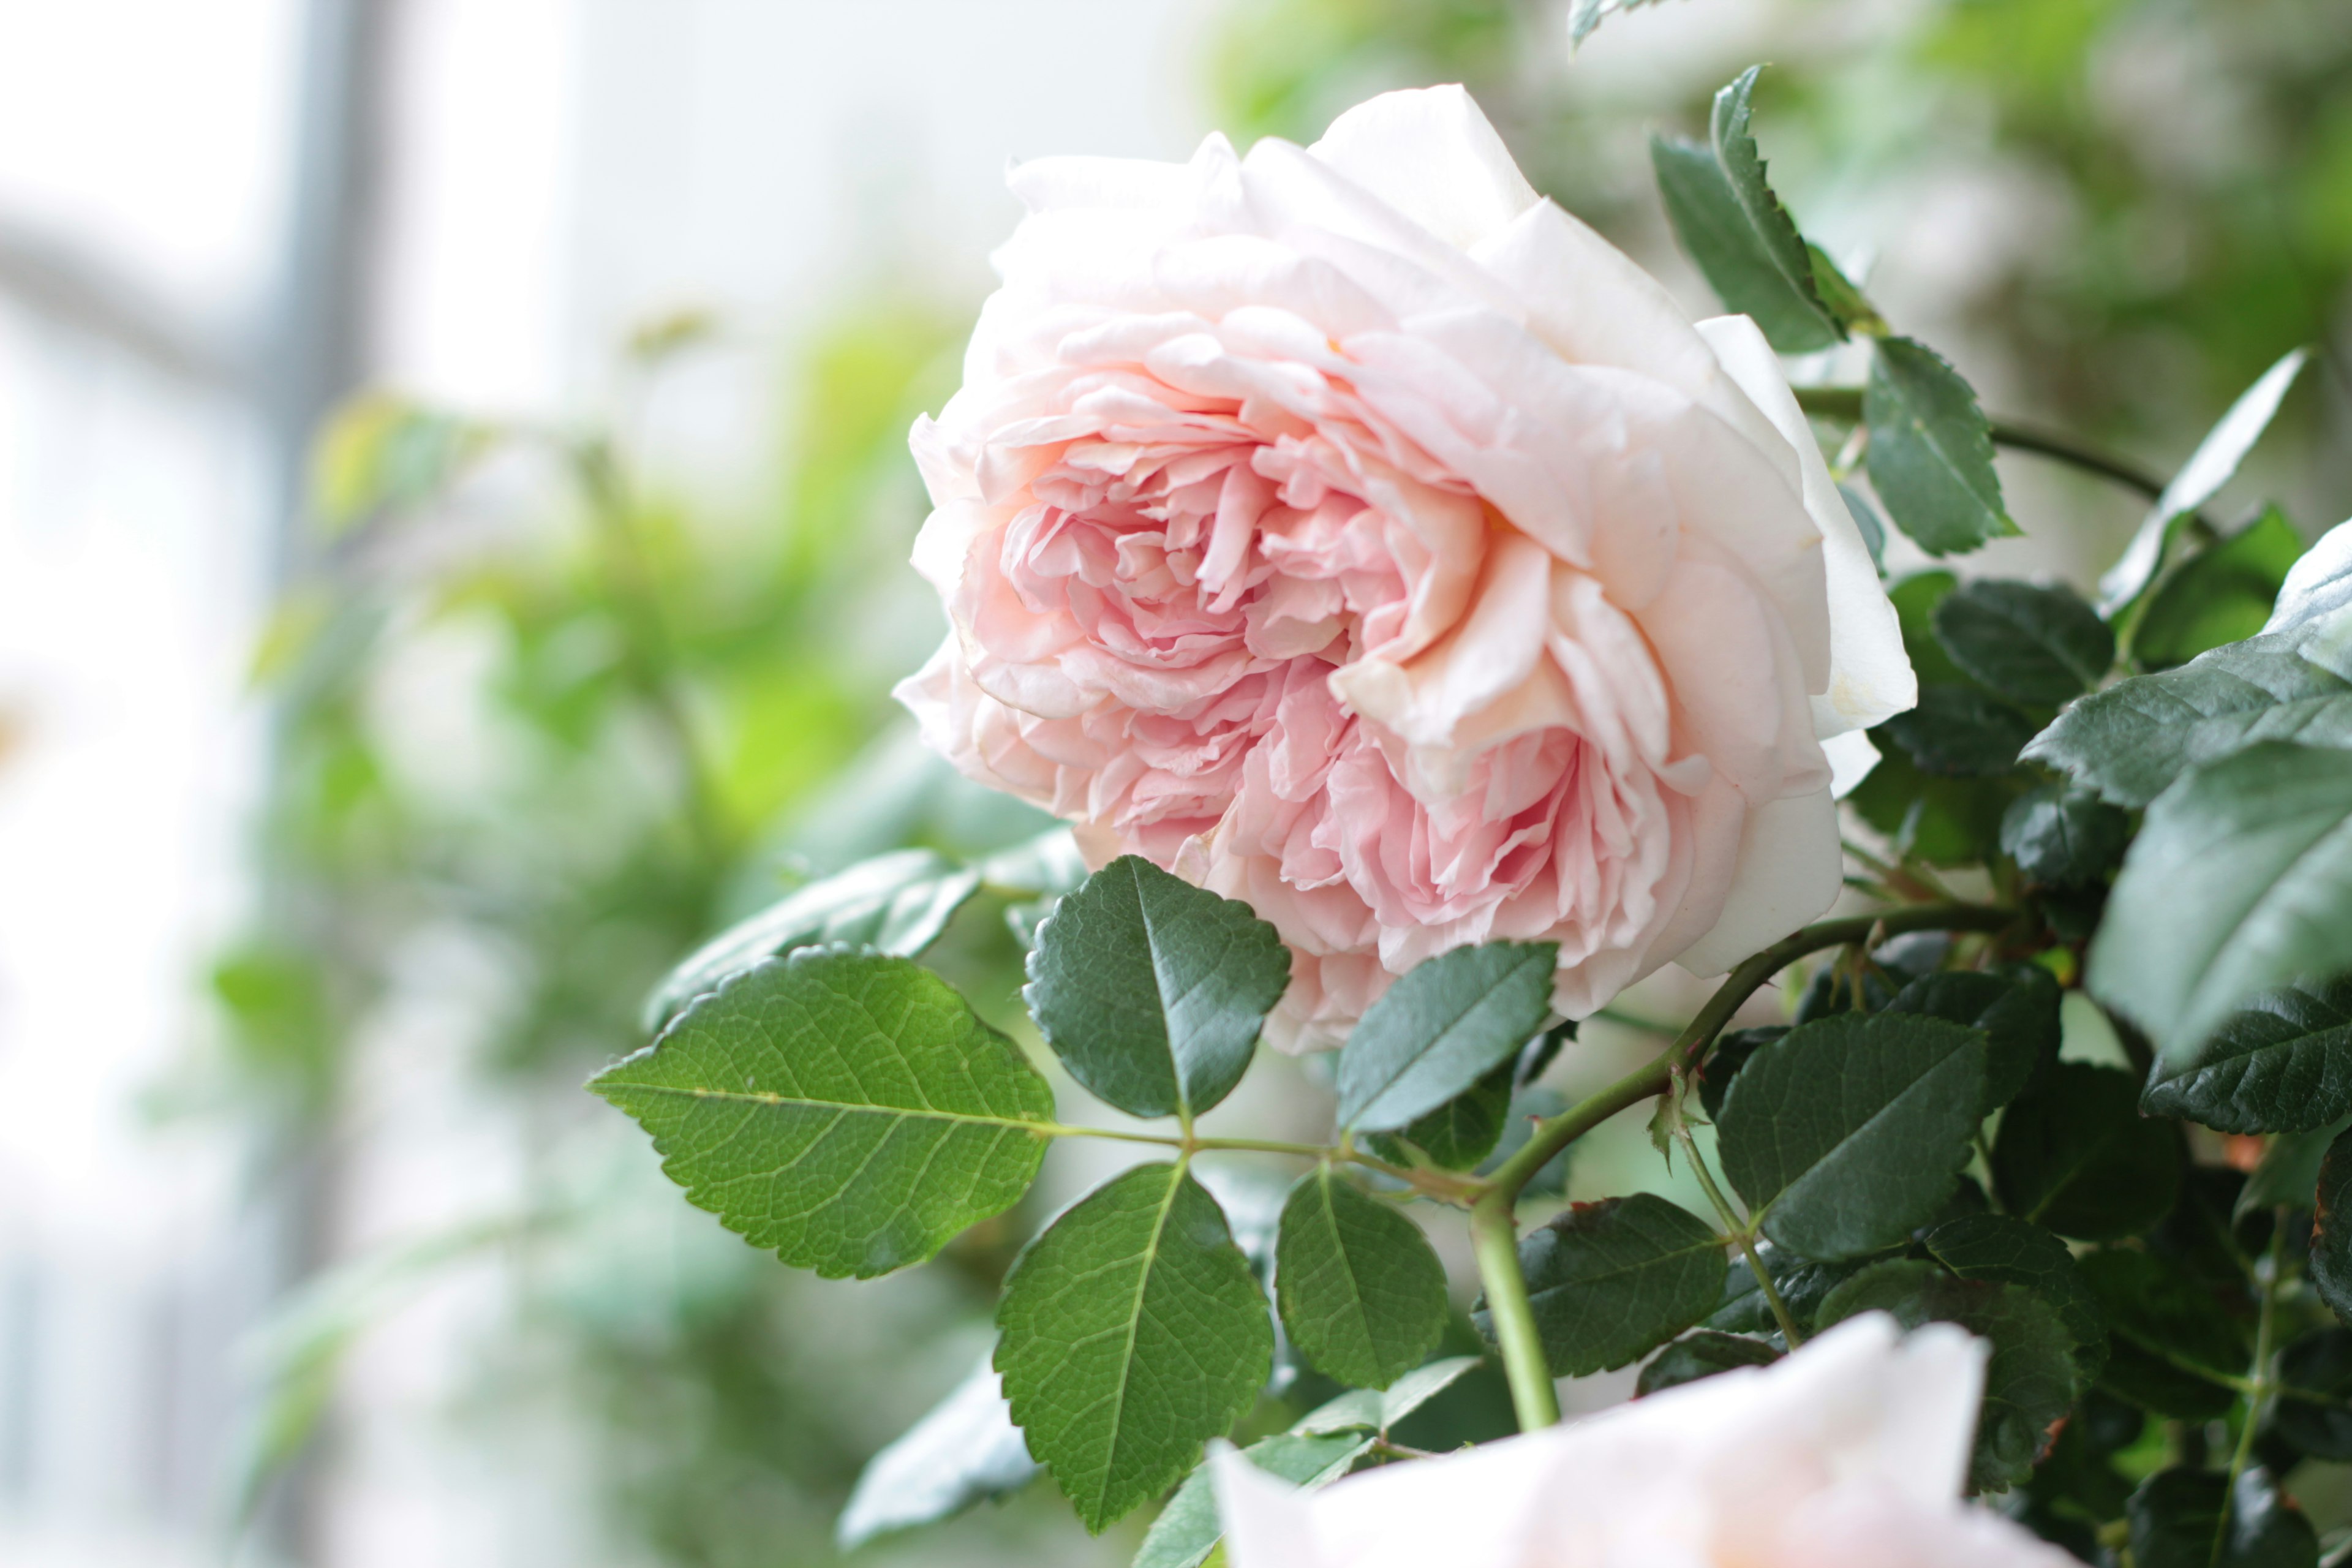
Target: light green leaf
(2222, 595)
(1188, 1529)
(2280, 1064)
(2208, 470)
(2241, 881)
(1612, 1280)
(1847, 1133)
(1443, 1026)
(966, 1451)
(1378, 1410)
(897, 903)
(1152, 990)
(2130, 741)
(847, 1110)
(1725, 213)
(2031, 643)
(1361, 1294)
(2074, 1154)
(1931, 450)
(1133, 1333)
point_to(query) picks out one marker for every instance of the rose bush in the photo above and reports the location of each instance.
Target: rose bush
(1359, 535)
(1848, 1454)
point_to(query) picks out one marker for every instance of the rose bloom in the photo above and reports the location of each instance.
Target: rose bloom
(1848, 1454)
(1354, 533)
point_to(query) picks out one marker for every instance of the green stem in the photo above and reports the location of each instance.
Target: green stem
(1494, 1239)
(1743, 1235)
(2263, 1325)
(1845, 403)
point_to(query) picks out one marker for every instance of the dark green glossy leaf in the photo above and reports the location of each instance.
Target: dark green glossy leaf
(1612, 1280)
(1361, 1294)
(1803, 1285)
(1133, 1333)
(1847, 1133)
(1152, 990)
(2222, 595)
(2033, 644)
(2162, 1325)
(846, 1109)
(2076, 1155)
(966, 1451)
(2018, 1011)
(1378, 1410)
(1188, 1529)
(2012, 1252)
(2331, 1229)
(1459, 1133)
(1698, 1355)
(1930, 450)
(1443, 1026)
(2194, 1519)
(2060, 836)
(1959, 732)
(2317, 1419)
(897, 904)
(2133, 740)
(1731, 1052)
(2282, 1064)
(2031, 1383)
(2241, 881)
(1727, 217)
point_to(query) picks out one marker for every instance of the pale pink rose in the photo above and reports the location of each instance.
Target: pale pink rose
(1355, 534)
(1848, 1454)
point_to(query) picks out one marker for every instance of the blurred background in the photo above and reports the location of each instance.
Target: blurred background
(453, 518)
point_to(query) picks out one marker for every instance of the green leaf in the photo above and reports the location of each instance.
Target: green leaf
(2222, 595)
(1852, 310)
(1610, 1281)
(2331, 1228)
(897, 904)
(2018, 1012)
(1378, 1410)
(1188, 1529)
(966, 1451)
(1361, 1294)
(2035, 645)
(2241, 881)
(1461, 1132)
(2012, 1252)
(2282, 1064)
(1133, 1333)
(2288, 1172)
(2208, 470)
(2194, 1519)
(2130, 741)
(2162, 1326)
(1931, 451)
(1701, 1354)
(2074, 1154)
(2319, 1366)
(2063, 837)
(1847, 1133)
(1960, 731)
(1725, 214)
(379, 453)
(1443, 1026)
(1943, 821)
(2030, 1381)
(1866, 523)
(1803, 1286)
(1583, 15)
(1152, 990)
(847, 1110)
(1731, 1052)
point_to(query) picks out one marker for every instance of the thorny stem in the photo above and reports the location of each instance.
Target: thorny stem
(1743, 1235)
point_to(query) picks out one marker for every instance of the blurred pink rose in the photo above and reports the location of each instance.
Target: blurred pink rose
(1354, 533)
(1848, 1454)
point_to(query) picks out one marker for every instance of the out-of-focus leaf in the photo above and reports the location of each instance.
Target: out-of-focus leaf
(1866, 522)
(2318, 1366)
(2062, 836)
(1459, 1133)
(1846, 1134)
(1943, 821)
(1803, 1286)
(2162, 1325)
(2241, 881)
(2288, 1172)
(2031, 643)
(1931, 451)
(1152, 990)
(1583, 15)
(1445, 1024)
(1133, 1333)
(2208, 470)
(2195, 1519)
(966, 1450)
(1959, 732)
(1701, 1354)
(1361, 1291)
(2074, 1154)
(2005, 1248)
(2222, 595)
(1610, 1281)
(1188, 1529)
(847, 1110)
(1727, 217)
(380, 452)
(1380, 1409)
(2281, 1064)
(896, 903)
(1731, 1052)
(2331, 1229)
